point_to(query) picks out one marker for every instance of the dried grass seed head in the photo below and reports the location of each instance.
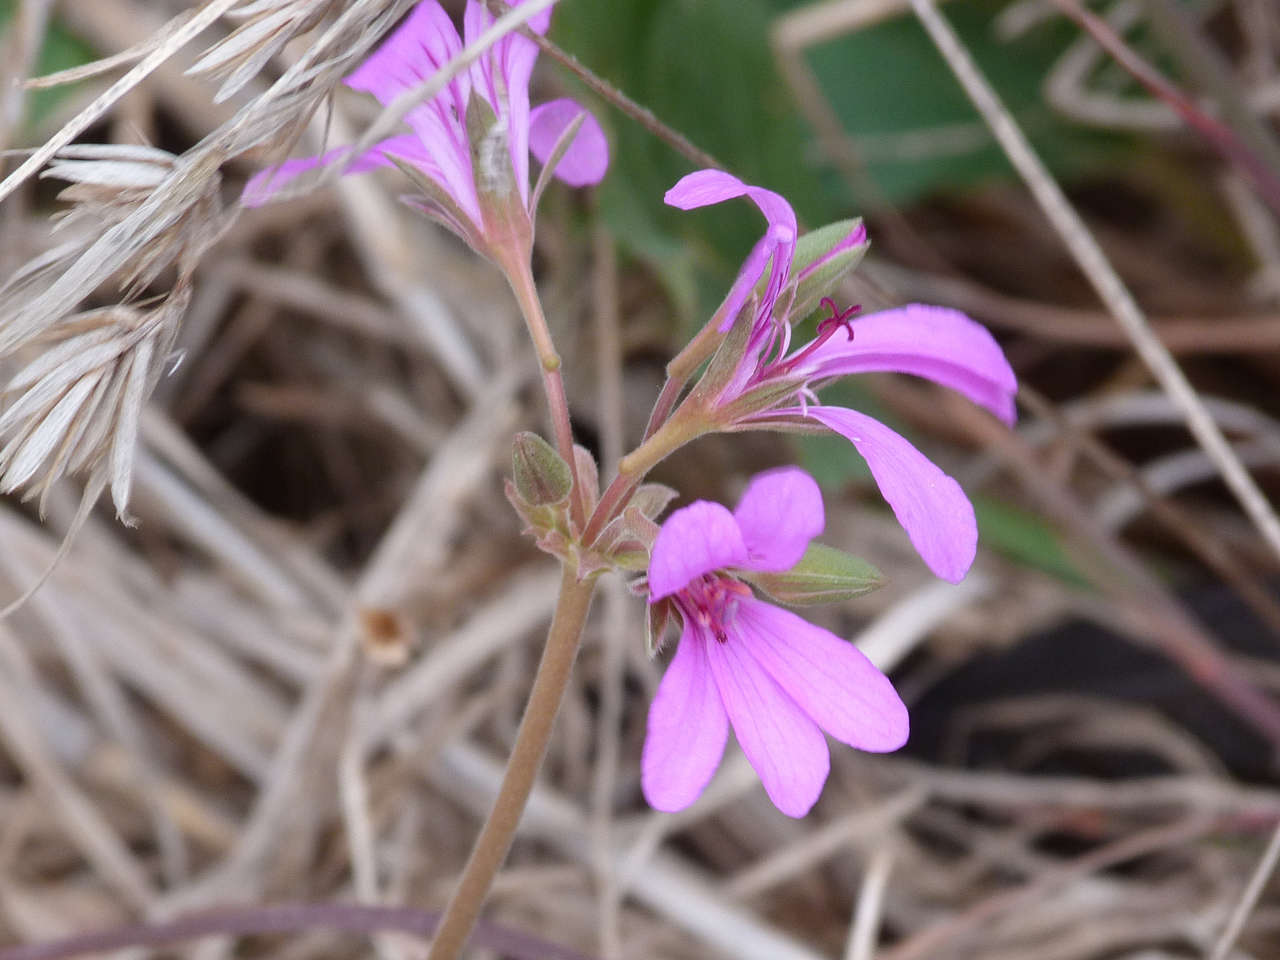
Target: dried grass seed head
(75, 407)
(108, 184)
(268, 26)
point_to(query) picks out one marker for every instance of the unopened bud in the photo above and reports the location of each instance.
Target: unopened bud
(542, 478)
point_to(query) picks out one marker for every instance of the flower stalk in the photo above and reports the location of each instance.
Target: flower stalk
(491, 846)
(526, 292)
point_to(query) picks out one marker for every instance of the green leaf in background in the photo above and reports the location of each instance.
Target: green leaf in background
(914, 126)
(706, 69)
(61, 51)
(1024, 538)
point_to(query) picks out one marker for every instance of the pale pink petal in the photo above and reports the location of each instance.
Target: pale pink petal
(785, 747)
(694, 540)
(777, 246)
(265, 183)
(930, 505)
(587, 158)
(938, 343)
(831, 680)
(425, 41)
(780, 512)
(687, 730)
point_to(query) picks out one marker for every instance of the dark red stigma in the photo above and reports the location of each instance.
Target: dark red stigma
(838, 318)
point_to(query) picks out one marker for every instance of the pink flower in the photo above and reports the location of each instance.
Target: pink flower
(779, 680)
(773, 387)
(439, 145)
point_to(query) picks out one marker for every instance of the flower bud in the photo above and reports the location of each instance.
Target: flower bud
(542, 478)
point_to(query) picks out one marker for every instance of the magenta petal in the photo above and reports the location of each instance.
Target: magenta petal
(938, 343)
(930, 505)
(785, 747)
(830, 679)
(425, 41)
(752, 269)
(266, 183)
(407, 147)
(703, 188)
(694, 540)
(587, 158)
(687, 730)
(780, 512)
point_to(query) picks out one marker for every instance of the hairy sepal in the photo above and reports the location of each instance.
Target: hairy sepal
(823, 575)
(827, 268)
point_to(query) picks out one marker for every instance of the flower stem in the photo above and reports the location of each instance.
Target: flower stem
(491, 846)
(702, 346)
(526, 291)
(674, 433)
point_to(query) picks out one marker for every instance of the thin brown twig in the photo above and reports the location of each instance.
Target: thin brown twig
(255, 920)
(1220, 136)
(1179, 521)
(499, 829)
(959, 928)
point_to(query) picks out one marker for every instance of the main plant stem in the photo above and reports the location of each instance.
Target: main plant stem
(495, 837)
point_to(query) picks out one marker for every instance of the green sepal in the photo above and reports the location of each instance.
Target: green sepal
(627, 540)
(822, 281)
(652, 498)
(507, 228)
(823, 575)
(726, 360)
(542, 478)
(588, 477)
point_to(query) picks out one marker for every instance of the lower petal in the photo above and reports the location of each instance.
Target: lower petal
(687, 730)
(785, 747)
(587, 158)
(929, 504)
(829, 678)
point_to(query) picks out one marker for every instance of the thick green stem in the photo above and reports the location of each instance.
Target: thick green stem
(491, 846)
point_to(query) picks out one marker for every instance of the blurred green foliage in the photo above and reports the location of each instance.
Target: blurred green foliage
(705, 67)
(61, 51)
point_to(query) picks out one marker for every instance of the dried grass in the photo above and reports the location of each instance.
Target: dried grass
(296, 677)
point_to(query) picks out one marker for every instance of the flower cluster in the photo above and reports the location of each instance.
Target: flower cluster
(779, 681)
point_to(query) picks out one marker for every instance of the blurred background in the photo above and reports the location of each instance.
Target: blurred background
(297, 677)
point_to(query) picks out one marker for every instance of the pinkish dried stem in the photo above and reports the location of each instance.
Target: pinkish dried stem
(491, 846)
